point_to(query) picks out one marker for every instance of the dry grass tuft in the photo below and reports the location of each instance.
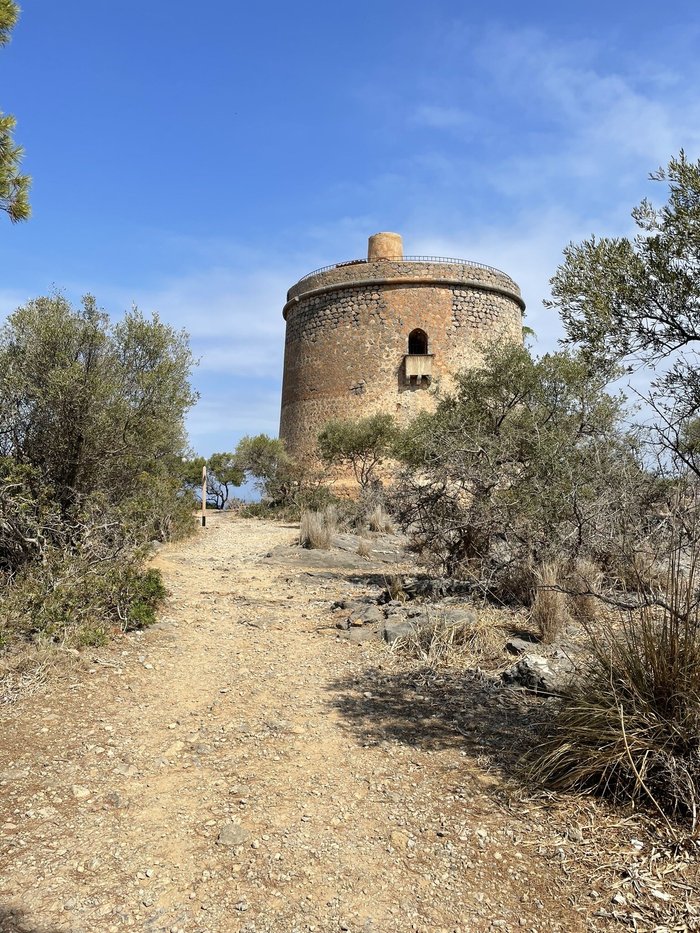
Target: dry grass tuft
(441, 643)
(395, 588)
(331, 518)
(364, 547)
(584, 580)
(26, 670)
(549, 613)
(314, 532)
(630, 727)
(378, 520)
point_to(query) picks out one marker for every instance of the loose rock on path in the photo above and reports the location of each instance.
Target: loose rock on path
(208, 776)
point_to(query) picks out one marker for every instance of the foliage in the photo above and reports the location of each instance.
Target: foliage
(363, 445)
(14, 186)
(526, 463)
(91, 444)
(630, 726)
(638, 299)
(265, 460)
(74, 600)
(223, 472)
(90, 405)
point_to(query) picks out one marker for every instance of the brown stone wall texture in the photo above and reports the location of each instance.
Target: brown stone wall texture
(347, 335)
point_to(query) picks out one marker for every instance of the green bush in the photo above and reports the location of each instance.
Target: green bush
(77, 602)
(92, 441)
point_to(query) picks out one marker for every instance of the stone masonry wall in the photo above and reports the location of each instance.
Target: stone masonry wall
(347, 337)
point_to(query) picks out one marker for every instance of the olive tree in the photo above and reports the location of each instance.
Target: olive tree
(636, 300)
(362, 445)
(527, 461)
(91, 405)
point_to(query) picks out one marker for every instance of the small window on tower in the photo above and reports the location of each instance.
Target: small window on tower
(417, 342)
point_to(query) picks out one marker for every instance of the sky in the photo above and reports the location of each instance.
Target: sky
(197, 160)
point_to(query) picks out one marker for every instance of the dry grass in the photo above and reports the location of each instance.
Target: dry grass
(379, 521)
(549, 613)
(26, 670)
(631, 726)
(441, 643)
(314, 531)
(394, 587)
(583, 581)
(364, 547)
(640, 572)
(331, 519)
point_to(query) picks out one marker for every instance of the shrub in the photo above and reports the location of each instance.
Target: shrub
(527, 461)
(74, 601)
(630, 726)
(257, 510)
(548, 611)
(314, 531)
(364, 547)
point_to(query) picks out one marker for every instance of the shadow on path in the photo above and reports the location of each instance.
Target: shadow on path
(15, 920)
(434, 710)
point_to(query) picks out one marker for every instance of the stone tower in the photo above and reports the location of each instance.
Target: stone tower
(375, 335)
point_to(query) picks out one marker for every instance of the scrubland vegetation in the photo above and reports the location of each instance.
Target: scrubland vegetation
(534, 480)
(91, 446)
(537, 480)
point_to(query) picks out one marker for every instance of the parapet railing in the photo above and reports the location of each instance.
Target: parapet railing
(444, 259)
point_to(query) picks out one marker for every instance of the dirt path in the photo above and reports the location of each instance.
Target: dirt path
(223, 772)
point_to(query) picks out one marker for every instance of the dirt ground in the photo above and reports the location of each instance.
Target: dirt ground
(241, 767)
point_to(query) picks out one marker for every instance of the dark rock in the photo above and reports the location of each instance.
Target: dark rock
(542, 675)
(394, 630)
(518, 645)
(416, 613)
(371, 614)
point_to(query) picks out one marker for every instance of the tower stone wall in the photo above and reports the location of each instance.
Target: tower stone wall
(347, 348)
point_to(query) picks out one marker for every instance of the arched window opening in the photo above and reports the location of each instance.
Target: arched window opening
(418, 342)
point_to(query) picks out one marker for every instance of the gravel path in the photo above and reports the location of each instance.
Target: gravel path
(225, 771)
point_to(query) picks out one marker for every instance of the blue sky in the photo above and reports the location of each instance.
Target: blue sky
(198, 159)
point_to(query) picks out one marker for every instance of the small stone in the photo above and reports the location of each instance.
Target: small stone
(80, 792)
(116, 800)
(232, 834)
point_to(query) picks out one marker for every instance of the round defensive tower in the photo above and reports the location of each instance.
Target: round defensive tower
(374, 335)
